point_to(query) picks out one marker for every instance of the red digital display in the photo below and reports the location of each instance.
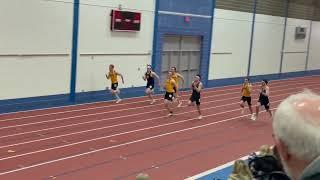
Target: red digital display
(125, 21)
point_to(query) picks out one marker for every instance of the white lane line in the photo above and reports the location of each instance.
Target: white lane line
(121, 110)
(118, 134)
(117, 125)
(125, 144)
(214, 89)
(119, 117)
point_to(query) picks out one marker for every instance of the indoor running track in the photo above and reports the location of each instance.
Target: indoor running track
(117, 141)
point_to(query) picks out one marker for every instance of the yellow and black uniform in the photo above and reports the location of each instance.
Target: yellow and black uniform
(169, 86)
(114, 80)
(246, 94)
(176, 79)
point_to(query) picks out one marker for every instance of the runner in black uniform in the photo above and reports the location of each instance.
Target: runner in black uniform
(149, 76)
(263, 99)
(196, 88)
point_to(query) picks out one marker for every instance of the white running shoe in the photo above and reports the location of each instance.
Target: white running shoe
(118, 101)
(180, 104)
(170, 114)
(253, 117)
(200, 117)
(152, 102)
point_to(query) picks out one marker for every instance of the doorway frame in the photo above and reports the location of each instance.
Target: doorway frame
(204, 55)
(180, 54)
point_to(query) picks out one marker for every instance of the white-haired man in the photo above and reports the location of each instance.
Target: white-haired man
(296, 127)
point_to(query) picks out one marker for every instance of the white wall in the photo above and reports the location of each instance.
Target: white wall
(99, 47)
(34, 76)
(295, 51)
(93, 71)
(35, 46)
(314, 52)
(230, 45)
(267, 44)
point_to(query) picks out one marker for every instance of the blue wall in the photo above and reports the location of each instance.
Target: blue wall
(201, 7)
(168, 24)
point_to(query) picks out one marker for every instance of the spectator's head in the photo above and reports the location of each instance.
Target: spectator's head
(240, 168)
(296, 127)
(143, 176)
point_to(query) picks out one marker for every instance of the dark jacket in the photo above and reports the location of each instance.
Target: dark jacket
(312, 172)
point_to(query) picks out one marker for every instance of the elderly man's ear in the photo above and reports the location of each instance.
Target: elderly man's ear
(282, 149)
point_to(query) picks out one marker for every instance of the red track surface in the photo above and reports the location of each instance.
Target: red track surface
(107, 141)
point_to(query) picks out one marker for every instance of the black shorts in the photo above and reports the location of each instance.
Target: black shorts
(169, 96)
(114, 86)
(195, 98)
(246, 99)
(150, 86)
(264, 101)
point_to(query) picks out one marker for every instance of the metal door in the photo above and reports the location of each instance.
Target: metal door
(182, 52)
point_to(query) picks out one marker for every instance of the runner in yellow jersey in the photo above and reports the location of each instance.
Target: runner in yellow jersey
(246, 95)
(113, 76)
(176, 76)
(169, 86)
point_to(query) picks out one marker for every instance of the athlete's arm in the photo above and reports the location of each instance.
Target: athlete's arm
(181, 77)
(174, 84)
(157, 77)
(198, 89)
(144, 77)
(250, 88)
(119, 74)
(267, 92)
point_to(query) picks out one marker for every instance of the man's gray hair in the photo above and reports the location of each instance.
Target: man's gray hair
(297, 123)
